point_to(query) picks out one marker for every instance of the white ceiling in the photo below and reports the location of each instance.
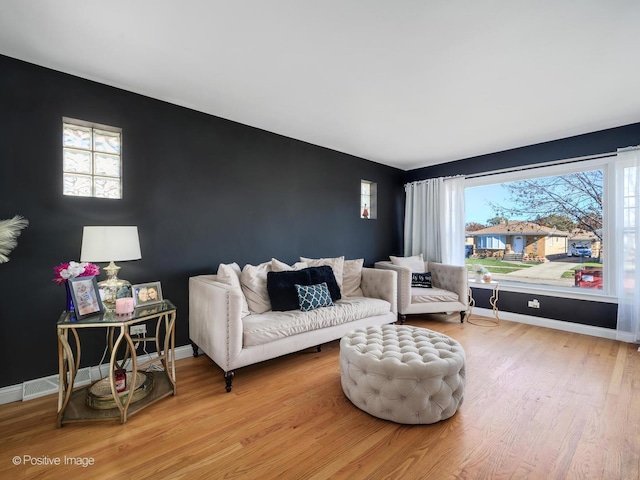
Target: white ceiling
(406, 83)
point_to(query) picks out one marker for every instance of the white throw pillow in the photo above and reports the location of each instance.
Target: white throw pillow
(229, 274)
(278, 266)
(414, 263)
(351, 278)
(253, 280)
(336, 264)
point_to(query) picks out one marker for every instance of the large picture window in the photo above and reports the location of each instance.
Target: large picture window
(542, 228)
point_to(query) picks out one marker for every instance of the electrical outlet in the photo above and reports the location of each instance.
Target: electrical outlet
(534, 303)
(138, 329)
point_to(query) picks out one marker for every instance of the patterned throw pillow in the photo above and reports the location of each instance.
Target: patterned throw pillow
(422, 280)
(311, 297)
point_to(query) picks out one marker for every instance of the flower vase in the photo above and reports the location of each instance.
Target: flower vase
(69, 307)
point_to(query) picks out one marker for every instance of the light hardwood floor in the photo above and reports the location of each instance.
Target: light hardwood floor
(539, 404)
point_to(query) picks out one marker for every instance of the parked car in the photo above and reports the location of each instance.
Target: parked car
(580, 251)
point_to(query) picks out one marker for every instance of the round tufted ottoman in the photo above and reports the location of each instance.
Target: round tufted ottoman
(402, 373)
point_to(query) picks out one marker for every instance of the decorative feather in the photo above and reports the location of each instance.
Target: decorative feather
(9, 232)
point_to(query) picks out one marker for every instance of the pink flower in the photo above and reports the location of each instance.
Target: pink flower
(65, 271)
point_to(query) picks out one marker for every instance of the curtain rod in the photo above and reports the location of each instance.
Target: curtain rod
(416, 182)
(537, 165)
(542, 165)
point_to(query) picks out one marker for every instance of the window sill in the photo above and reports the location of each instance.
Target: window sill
(560, 292)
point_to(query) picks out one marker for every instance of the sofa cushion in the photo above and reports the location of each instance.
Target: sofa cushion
(311, 297)
(324, 274)
(414, 263)
(278, 266)
(253, 280)
(422, 280)
(266, 327)
(282, 291)
(229, 274)
(427, 295)
(351, 278)
(336, 264)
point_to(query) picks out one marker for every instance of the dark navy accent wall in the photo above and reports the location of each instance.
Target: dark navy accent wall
(592, 313)
(202, 190)
(603, 141)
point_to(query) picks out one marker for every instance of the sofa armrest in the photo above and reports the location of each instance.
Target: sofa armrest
(215, 319)
(380, 284)
(404, 283)
(452, 278)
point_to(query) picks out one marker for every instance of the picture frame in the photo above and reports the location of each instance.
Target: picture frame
(146, 294)
(86, 296)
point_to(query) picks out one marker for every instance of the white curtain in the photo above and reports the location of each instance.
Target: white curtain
(434, 220)
(627, 235)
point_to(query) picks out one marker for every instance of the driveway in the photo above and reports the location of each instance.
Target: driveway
(549, 273)
(546, 271)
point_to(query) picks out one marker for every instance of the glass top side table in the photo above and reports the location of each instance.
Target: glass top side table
(493, 301)
(72, 404)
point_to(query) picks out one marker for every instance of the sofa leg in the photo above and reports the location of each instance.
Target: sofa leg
(462, 315)
(228, 379)
(195, 349)
(319, 348)
(403, 318)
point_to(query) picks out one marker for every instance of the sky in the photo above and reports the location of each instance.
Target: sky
(476, 202)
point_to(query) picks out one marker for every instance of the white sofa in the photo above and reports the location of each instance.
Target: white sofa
(449, 293)
(232, 337)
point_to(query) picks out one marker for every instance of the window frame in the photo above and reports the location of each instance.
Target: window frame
(606, 164)
(372, 196)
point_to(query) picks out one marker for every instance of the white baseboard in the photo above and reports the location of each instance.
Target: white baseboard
(12, 393)
(548, 323)
(40, 387)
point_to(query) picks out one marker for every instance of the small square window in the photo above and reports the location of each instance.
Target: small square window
(91, 159)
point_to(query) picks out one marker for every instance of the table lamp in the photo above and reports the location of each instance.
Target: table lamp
(111, 244)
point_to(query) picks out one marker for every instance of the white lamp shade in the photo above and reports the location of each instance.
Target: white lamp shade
(110, 244)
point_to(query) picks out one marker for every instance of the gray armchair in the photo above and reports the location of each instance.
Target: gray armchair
(449, 293)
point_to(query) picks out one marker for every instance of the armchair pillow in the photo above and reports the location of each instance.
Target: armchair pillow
(422, 280)
(414, 263)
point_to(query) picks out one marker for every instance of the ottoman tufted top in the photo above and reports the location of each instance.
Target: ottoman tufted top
(403, 373)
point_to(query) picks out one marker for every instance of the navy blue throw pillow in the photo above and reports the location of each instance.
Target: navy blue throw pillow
(282, 291)
(422, 280)
(324, 274)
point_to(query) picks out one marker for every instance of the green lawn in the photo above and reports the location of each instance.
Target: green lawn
(495, 265)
